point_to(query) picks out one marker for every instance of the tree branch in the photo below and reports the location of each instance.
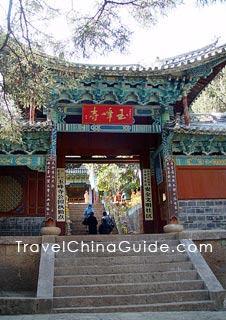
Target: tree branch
(23, 16)
(9, 31)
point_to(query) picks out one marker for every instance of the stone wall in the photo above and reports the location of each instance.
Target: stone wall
(216, 259)
(202, 214)
(18, 270)
(21, 226)
(135, 220)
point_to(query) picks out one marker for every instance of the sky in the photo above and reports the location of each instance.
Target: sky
(186, 28)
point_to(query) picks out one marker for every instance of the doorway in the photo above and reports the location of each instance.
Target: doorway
(112, 148)
(114, 187)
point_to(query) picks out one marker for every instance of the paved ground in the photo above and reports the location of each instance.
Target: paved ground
(192, 315)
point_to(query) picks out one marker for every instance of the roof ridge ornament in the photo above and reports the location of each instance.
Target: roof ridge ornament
(191, 56)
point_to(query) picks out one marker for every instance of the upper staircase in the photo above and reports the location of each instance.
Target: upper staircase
(111, 280)
(76, 212)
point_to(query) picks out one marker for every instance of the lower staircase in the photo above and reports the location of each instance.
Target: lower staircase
(113, 280)
(76, 211)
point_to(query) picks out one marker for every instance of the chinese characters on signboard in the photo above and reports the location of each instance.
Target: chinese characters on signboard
(148, 210)
(50, 186)
(61, 194)
(171, 185)
(107, 114)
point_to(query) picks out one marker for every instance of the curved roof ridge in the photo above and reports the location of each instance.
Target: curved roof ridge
(208, 47)
(175, 61)
(160, 65)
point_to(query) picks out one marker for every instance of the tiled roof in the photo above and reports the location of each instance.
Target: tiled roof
(37, 126)
(213, 129)
(196, 57)
(212, 125)
(193, 56)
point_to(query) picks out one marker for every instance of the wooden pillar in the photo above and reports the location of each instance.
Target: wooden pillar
(147, 199)
(51, 180)
(186, 112)
(50, 186)
(32, 114)
(171, 183)
(61, 194)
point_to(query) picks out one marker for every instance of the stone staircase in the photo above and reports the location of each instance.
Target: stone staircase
(76, 211)
(119, 281)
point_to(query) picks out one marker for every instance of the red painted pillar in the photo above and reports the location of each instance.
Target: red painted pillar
(171, 184)
(61, 199)
(32, 114)
(50, 187)
(146, 191)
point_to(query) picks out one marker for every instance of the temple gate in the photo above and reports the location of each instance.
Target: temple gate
(129, 110)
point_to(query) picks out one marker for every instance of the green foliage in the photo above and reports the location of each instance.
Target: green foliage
(213, 98)
(27, 78)
(113, 178)
(10, 128)
(105, 28)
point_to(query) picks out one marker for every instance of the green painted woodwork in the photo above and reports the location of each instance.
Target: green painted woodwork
(155, 128)
(152, 92)
(167, 137)
(199, 144)
(31, 152)
(53, 141)
(141, 91)
(148, 87)
(34, 162)
(147, 111)
(200, 161)
(33, 142)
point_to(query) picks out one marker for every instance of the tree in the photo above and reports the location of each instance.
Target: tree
(105, 28)
(115, 178)
(25, 76)
(213, 98)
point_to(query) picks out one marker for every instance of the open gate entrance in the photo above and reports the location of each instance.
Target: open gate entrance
(117, 148)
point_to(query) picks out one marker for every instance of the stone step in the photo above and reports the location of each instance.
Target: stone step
(124, 278)
(81, 228)
(110, 300)
(117, 260)
(108, 279)
(127, 288)
(106, 251)
(118, 238)
(123, 243)
(158, 307)
(161, 267)
(79, 213)
(97, 208)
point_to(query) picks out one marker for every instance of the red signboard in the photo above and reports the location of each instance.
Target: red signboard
(106, 114)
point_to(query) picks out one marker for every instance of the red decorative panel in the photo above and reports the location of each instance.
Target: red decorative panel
(201, 182)
(41, 193)
(36, 192)
(51, 186)
(107, 114)
(171, 186)
(11, 194)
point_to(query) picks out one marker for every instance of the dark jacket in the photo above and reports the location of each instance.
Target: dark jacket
(105, 227)
(92, 224)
